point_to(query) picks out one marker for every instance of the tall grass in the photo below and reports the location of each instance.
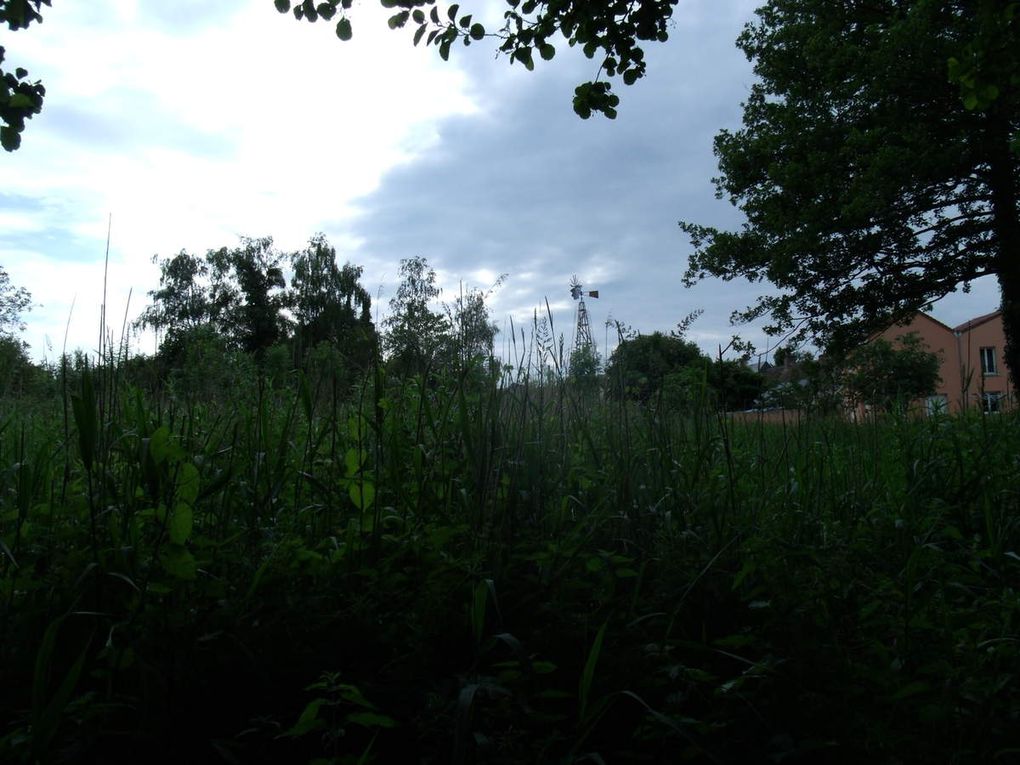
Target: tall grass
(465, 569)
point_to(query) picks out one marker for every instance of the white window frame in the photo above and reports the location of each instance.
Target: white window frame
(991, 402)
(989, 362)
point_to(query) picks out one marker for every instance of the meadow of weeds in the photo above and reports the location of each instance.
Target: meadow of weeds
(469, 571)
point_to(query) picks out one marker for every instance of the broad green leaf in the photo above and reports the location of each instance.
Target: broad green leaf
(357, 427)
(159, 445)
(354, 460)
(179, 562)
(343, 29)
(371, 720)
(20, 101)
(186, 489)
(477, 32)
(910, 689)
(181, 523)
(308, 721)
(362, 494)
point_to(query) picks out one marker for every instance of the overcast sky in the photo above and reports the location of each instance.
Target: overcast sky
(200, 122)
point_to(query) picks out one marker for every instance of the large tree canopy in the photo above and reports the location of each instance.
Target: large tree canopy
(874, 179)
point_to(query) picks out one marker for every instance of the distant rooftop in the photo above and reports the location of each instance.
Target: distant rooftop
(968, 325)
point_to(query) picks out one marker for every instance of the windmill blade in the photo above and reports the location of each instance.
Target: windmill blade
(593, 293)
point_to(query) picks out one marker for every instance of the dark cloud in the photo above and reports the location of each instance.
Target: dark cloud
(532, 190)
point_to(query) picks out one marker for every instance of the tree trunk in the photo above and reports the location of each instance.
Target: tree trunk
(1006, 216)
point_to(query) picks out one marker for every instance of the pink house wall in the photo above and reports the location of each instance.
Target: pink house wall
(983, 332)
(962, 383)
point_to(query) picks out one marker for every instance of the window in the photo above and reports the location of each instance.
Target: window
(991, 403)
(988, 366)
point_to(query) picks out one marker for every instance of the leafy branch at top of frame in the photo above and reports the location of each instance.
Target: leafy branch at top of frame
(20, 99)
(613, 28)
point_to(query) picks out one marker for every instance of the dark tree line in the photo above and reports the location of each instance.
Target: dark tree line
(240, 297)
(660, 367)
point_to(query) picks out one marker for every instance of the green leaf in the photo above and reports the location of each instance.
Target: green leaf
(734, 641)
(477, 32)
(543, 667)
(357, 427)
(186, 486)
(282, 5)
(452, 12)
(419, 33)
(397, 20)
(20, 101)
(343, 29)
(371, 720)
(10, 138)
(418, 15)
(354, 460)
(308, 721)
(179, 562)
(362, 494)
(546, 51)
(630, 76)
(159, 445)
(910, 689)
(524, 56)
(181, 523)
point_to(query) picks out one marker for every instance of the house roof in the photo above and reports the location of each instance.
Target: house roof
(910, 320)
(977, 321)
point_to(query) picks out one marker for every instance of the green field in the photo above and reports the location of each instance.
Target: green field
(469, 571)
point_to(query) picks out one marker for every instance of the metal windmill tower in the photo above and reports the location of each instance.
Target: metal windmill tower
(582, 334)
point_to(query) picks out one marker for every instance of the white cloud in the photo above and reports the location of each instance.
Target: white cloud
(192, 135)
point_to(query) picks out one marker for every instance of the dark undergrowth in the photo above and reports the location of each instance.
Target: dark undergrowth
(462, 572)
